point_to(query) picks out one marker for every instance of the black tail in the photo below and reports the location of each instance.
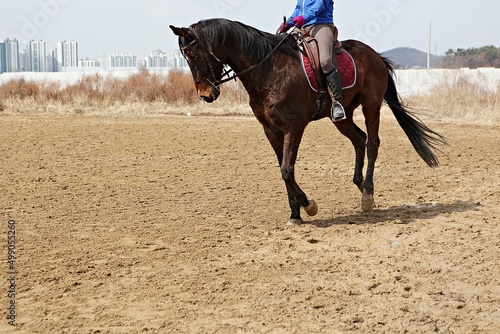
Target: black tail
(423, 139)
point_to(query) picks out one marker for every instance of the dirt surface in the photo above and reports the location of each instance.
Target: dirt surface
(178, 225)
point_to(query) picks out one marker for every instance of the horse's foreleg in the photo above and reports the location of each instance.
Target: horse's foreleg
(286, 149)
(276, 139)
(297, 198)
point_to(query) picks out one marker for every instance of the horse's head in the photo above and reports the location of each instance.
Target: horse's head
(205, 67)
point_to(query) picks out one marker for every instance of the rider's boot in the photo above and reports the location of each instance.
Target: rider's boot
(335, 89)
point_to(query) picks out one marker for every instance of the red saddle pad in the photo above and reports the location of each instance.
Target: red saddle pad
(346, 67)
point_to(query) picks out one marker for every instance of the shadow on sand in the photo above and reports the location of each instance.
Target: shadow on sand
(402, 214)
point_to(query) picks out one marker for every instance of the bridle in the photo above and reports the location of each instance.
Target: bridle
(227, 72)
(214, 81)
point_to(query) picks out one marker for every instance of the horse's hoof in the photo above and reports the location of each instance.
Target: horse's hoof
(312, 208)
(294, 222)
(367, 202)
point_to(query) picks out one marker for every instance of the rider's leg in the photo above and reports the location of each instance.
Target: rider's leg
(325, 36)
(335, 89)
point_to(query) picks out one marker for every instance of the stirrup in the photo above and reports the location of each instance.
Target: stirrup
(337, 112)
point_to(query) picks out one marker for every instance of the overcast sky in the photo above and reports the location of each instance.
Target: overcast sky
(141, 26)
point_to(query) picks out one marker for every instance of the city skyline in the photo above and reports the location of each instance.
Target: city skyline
(36, 57)
(137, 26)
(107, 27)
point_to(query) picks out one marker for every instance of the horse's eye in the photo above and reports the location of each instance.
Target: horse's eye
(190, 55)
(194, 55)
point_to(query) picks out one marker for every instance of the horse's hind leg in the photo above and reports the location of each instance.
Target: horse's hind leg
(358, 139)
(372, 121)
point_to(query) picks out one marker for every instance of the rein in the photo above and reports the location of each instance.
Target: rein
(216, 83)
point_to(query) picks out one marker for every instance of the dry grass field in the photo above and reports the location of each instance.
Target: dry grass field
(132, 217)
(146, 93)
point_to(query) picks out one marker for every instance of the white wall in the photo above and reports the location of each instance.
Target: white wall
(416, 82)
(409, 82)
(72, 76)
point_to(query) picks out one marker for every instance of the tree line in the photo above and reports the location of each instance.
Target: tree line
(486, 56)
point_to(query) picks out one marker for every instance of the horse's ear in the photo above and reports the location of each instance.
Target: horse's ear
(181, 32)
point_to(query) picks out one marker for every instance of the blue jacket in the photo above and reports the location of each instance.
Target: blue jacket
(314, 11)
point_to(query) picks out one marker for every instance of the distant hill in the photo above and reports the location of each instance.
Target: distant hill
(410, 58)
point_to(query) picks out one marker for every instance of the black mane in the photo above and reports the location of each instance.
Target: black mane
(256, 43)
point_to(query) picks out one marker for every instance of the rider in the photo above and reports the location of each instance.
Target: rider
(316, 17)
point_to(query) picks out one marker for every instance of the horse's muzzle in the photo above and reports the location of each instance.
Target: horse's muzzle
(209, 94)
(207, 99)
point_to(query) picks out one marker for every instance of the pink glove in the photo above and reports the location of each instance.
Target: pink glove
(299, 21)
(284, 27)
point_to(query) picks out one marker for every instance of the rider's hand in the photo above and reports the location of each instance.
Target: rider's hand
(299, 21)
(284, 27)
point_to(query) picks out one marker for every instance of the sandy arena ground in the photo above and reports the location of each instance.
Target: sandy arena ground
(171, 224)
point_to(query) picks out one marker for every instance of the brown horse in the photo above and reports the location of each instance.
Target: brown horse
(269, 68)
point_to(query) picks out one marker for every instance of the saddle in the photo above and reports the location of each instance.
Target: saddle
(311, 66)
